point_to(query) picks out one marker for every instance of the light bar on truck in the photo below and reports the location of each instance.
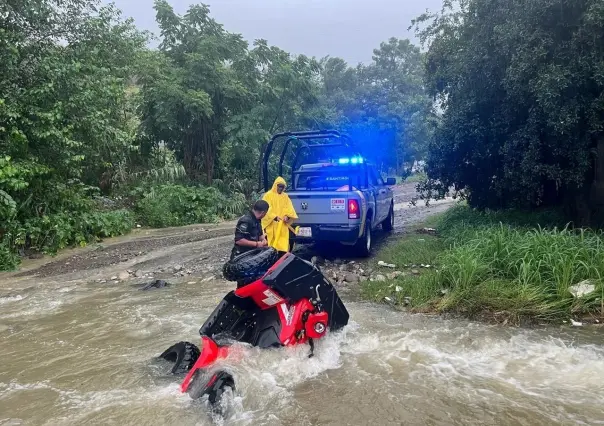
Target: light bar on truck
(353, 160)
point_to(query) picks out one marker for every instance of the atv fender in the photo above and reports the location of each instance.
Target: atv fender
(210, 352)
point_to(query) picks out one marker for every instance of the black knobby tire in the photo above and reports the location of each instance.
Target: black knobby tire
(388, 223)
(363, 245)
(198, 386)
(183, 355)
(250, 265)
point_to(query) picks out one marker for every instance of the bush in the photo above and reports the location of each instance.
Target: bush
(486, 266)
(48, 234)
(177, 205)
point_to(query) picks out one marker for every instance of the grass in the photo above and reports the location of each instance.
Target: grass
(506, 266)
(415, 178)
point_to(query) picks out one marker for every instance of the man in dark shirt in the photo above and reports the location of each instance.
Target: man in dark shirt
(248, 232)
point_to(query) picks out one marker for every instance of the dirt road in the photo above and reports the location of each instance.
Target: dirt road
(194, 252)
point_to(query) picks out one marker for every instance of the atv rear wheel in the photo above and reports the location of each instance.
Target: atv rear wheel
(250, 265)
(183, 355)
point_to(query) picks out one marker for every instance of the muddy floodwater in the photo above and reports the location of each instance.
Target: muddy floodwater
(77, 351)
(83, 354)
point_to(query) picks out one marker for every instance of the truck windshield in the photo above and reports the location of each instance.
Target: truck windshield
(332, 180)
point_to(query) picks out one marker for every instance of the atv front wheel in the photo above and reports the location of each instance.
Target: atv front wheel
(183, 355)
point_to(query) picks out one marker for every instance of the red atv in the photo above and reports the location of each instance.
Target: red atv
(284, 302)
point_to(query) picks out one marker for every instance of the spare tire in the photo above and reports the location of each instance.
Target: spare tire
(250, 265)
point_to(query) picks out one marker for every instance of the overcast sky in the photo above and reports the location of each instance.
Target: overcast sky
(350, 29)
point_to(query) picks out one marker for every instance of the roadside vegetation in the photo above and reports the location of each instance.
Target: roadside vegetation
(505, 266)
(521, 138)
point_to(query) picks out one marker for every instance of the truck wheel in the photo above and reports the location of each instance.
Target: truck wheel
(363, 245)
(388, 223)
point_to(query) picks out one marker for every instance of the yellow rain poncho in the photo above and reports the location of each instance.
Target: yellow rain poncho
(279, 206)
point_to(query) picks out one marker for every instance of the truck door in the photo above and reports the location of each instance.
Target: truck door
(382, 194)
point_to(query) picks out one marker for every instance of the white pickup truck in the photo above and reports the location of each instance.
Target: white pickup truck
(337, 194)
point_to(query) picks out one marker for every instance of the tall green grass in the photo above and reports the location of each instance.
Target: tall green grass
(506, 264)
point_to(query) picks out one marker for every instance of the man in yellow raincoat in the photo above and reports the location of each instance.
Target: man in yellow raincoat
(280, 214)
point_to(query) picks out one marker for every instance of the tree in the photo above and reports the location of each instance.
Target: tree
(65, 67)
(383, 104)
(521, 87)
(197, 85)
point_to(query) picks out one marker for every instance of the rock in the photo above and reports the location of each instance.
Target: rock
(415, 271)
(124, 275)
(387, 299)
(407, 300)
(191, 282)
(337, 261)
(207, 279)
(177, 268)
(103, 281)
(444, 292)
(575, 323)
(394, 275)
(398, 289)
(138, 225)
(581, 289)
(113, 278)
(429, 231)
(138, 273)
(386, 265)
(352, 278)
(155, 284)
(380, 278)
(317, 260)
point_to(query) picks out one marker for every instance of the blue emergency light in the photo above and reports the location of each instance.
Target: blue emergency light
(353, 160)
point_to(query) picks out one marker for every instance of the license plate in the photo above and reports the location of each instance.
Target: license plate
(305, 232)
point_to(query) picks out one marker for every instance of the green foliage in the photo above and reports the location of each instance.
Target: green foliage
(177, 205)
(521, 88)
(500, 264)
(50, 233)
(383, 104)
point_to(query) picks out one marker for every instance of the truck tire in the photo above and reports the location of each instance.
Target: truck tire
(363, 245)
(388, 223)
(250, 265)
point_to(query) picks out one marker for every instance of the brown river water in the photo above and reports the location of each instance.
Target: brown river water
(83, 354)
